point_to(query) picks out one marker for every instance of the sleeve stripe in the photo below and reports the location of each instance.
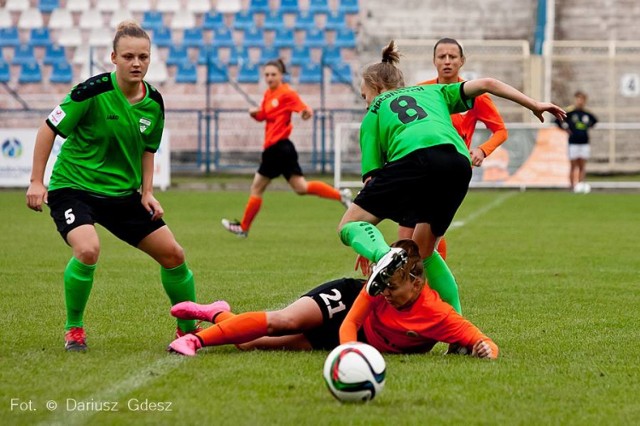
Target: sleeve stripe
(55, 129)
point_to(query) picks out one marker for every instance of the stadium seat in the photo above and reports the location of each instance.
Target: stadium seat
(30, 73)
(331, 54)
(61, 72)
(249, 73)
(187, 73)
(217, 73)
(168, 6)
(310, 73)
(335, 21)
(300, 55)
(348, 6)
(198, 6)
(70, 37)
(30, 18)
(157, 72)
(138, 6)
(314, 38)
(259, 6)
(108, 5)
(5, 72)
(223, 37)
(162, 37)
(243, 20)
(90, 19)
(60, 19)
(177, 55)
(346, 38)
(304, 21)
(212, 20)
(273, 20)
(228, 6)
(152, 20)
(268, 54)
(53, 54)
(289, 6)
(284, 38)
(40, 37)
(78, 5)
(17, 5)
(253, 37)
(6, 20)
(341, 73)
(23, 54)
(9, 37)
(238, 56)
(193, 37)
(100, 37)
(118, 16)
(207, 54)
(319, 6)
(48, 6)
(183, 19)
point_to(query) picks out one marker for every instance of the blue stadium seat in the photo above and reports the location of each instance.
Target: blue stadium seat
(341, 73)
(319, 6)
(259, 6)
(300, 55)
(213, 20)
(5, 74)
(30, 73)
(346, 38)
(304, 21)
(253, 37)
(310, 73)
(284, 38)
(217, 73)
(23, 54)
(249, 73)
(348, 6)
(53, 54)
(335, 21)
(48, 6)
(238, 55)
(273, 20)
(152, 20)
(177, 55)
(40, 37)
(193, 37)
(207, 53)
(289, 6)
(243, 20)
(9, 37)
(331, 54)
(187, 73)
(162, 37)
(269, 53)
(223, 37)
(61, 72)
(314, 38)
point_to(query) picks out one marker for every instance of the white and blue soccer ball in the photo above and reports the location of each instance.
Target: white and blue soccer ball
(354, 372)
(582, 188)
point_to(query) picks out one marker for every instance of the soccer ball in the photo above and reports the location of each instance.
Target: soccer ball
(354, 372)
(582, 188)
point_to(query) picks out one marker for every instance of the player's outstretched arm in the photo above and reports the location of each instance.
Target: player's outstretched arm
(37, 192)
(485, 349)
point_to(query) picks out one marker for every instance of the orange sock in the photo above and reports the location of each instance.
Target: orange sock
(250, 212)
(442, 248)
(240, 328)
(322, 190)
(222, 316)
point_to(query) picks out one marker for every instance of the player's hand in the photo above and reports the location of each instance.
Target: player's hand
(482, 350)
(363, 264)
(254, 112)
(477, 157)
(541, 107)
(152, 206)
(36, 195)
(306, 114)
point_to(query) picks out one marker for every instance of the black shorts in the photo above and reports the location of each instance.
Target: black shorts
(124, 217)
(426, 186)
(334, 298)
(280, 158)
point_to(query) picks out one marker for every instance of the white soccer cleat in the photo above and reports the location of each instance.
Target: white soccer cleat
(234, 227)
(346, 197)
(395, 259)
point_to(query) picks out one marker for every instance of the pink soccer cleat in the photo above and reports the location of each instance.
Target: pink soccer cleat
(186, 345)
(193, 310)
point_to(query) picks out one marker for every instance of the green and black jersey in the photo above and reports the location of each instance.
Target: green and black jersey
(106, 137)
(404, 120)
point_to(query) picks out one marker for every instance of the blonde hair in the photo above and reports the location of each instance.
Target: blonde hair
(129, 28)
(385, 75)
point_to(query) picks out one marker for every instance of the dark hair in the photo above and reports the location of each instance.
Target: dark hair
(414, 264)
(385, 74)
(580, 93)
(447, 40)
(129, 28)
(278, 63)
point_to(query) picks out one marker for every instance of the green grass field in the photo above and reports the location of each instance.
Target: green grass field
(552, 277)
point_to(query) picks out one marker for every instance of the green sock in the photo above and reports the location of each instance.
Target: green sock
(365, 239)
(180, 286)
(78, 280)
(441, 280)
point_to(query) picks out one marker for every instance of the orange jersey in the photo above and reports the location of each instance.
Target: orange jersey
(276, 108)
(417, 329)
(485, 111)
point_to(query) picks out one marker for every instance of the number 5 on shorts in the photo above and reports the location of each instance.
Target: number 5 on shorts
(68, 214)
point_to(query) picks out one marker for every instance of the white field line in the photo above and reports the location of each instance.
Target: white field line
(482, 210)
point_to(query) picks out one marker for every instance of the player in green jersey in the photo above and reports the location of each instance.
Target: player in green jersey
(415, 166)
(113, 125)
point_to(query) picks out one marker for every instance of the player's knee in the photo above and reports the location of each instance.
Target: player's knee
(300, 190)
(280, 323)
(174, 256)
(87, 254)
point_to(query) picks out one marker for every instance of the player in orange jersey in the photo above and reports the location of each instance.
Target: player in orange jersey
(279, 156)
(407, 317)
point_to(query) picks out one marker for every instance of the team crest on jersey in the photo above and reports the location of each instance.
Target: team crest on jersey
(275, 103)
(56, 116)
(144, 124)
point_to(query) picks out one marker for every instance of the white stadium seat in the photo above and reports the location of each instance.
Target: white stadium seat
(17, 5)
(107, 5)
(100, 37)
(198, 6)
(70, 37)
(5, 19)
(168, 6)
(90, 19)
(119, 16)
(60, 19)
(228, 6)
(138, 5)
(78, 5)
(183, 19)
(30, 18)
